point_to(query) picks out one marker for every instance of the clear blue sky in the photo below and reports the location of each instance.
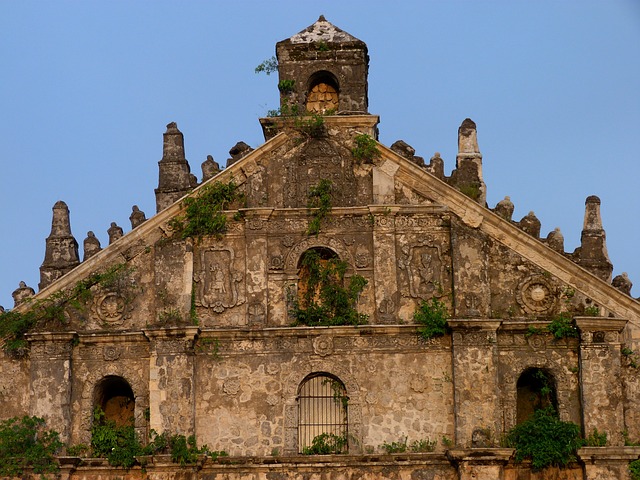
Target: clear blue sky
(87, 88)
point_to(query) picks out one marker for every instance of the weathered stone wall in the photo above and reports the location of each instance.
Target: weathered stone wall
(14, 386)
(247, 386)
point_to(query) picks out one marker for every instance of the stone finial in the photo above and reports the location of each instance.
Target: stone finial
(61, 251)
(238, 151)
(137, 217)
(21, 293)
(175, 179)
(468, 137)
(467, 176)
(436, 166)
(210, 168)
(504, 208)
(530, 224)
(91, 246)
(555, 240)
(622, 283)
(115, 232)
(407, 151)
(593, 253)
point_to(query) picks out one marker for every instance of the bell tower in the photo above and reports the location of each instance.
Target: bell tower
(323, 70)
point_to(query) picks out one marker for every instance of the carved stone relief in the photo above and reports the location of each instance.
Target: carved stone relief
(319, 159)
(423, 266)
(109, 308)
(216, 282)
(536, 294)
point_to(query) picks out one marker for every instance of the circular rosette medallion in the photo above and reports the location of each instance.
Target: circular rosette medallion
(110, 308)
(537, 294)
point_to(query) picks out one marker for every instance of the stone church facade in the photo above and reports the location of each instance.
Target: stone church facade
(197, 333)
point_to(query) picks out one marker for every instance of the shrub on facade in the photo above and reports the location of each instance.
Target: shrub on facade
(25, 443)
(545, 440)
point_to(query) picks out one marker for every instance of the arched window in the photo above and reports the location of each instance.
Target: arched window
(536, 390)
(322, 415)
(114, 396)
(323, 93)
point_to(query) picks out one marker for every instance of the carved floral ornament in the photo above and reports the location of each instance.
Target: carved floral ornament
(536, 294)
(110, 308)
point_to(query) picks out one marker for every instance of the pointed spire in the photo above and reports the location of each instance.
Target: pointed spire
(555, 240)
(61, 251)
(504, 208)
(593, 242)
(467, 176)
(175, 179)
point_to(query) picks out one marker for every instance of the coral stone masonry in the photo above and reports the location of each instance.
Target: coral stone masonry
(268, 311)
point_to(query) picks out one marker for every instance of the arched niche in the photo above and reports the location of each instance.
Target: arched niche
(114, 396)
(323, 93)
(536, 389)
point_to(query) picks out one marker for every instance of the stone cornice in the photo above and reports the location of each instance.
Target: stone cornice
(600, 324)
(477, 216)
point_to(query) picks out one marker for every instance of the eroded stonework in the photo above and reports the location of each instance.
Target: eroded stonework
(201, 335)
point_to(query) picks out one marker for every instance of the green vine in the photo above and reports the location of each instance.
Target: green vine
(339, 393)
(319, 198)
(25, 443)
(326, 300)
(50, 312)
(432, 315)
(286, 86)
(204, 211)
(365, 149)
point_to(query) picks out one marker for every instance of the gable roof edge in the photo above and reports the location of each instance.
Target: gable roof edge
(477, 216)
(116, 250)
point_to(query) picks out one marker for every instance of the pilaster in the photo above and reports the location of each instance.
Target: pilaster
(171, 380)
(600, 376)
(385, 264)
(257, 266)
(50, 379)
(475, 379)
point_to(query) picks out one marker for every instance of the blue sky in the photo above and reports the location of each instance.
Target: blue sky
(87, 88)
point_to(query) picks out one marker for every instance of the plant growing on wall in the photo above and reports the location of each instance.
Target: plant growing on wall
(545, 440)
(327, 444)
(634, 470)
(268, 66)
(365, 148)
(204, 211)
(432, 315)
(562, 326)
(50, 312)
(326, 301)
(25, 443)
(319, 198)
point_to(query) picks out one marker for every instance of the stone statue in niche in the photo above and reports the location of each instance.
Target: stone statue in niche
(423, 265)
(215, 283)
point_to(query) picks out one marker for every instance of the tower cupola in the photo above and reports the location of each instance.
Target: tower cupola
(323, 69)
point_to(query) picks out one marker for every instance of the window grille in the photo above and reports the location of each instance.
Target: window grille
(322, 409)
